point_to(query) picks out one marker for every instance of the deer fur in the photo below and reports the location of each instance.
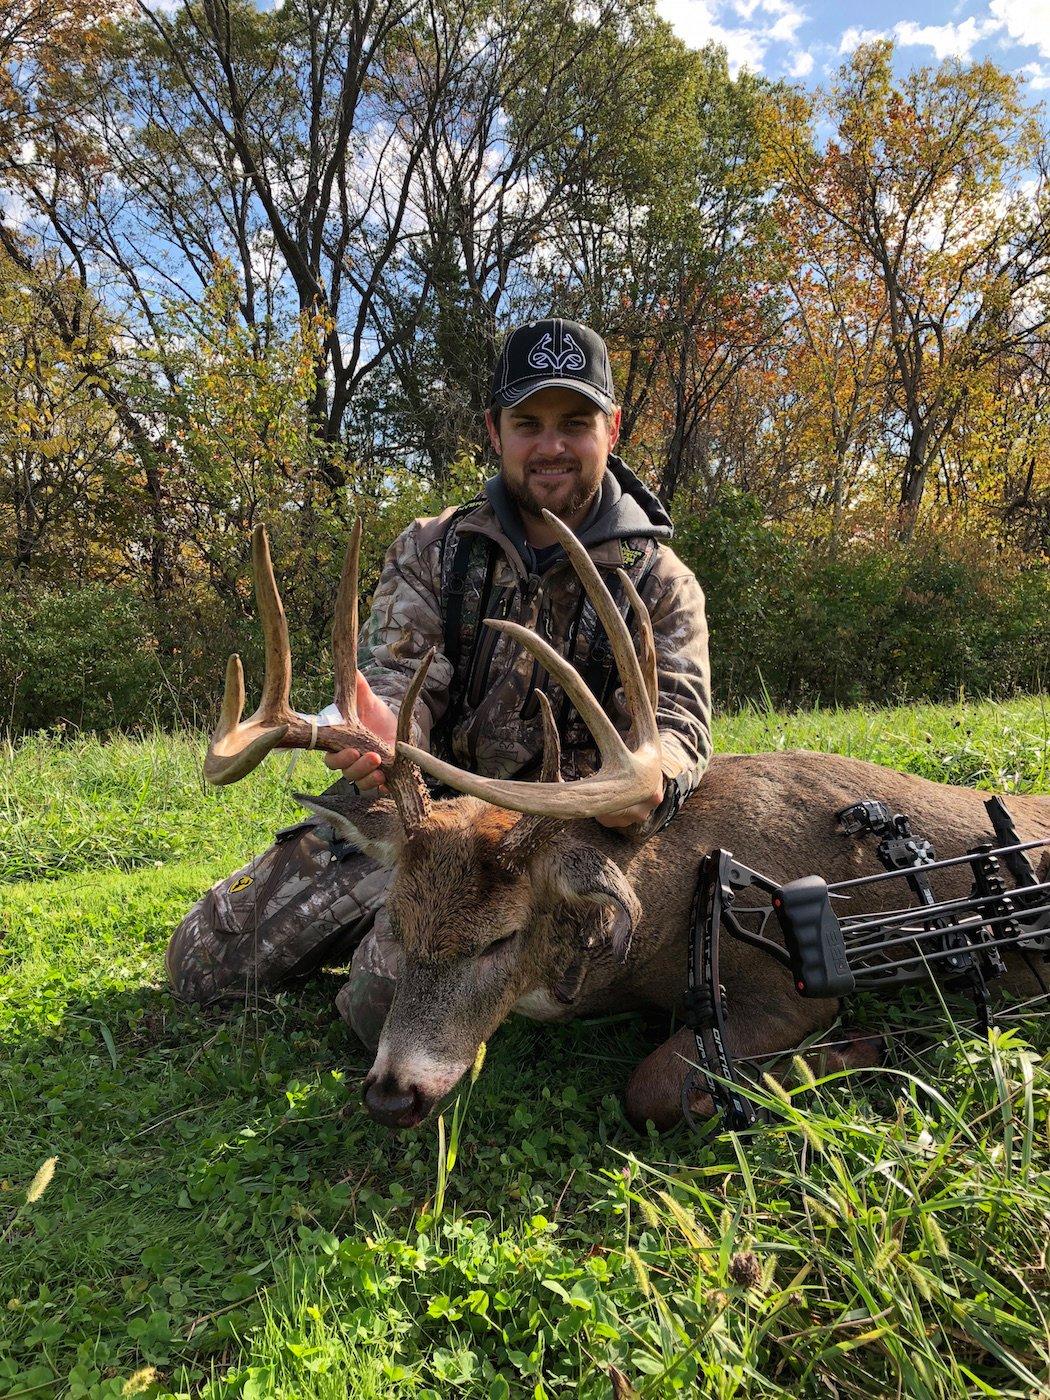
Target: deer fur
(594, 921)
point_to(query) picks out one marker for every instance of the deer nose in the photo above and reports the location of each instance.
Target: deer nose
(394, 1105)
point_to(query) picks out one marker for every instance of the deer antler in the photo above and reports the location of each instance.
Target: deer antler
(533, 832)
(237, 746)
(626, 775)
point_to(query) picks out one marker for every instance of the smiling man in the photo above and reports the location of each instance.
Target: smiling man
(553, 423)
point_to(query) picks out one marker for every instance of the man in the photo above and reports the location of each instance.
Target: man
(553, 423)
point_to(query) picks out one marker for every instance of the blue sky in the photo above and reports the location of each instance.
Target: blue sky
(807, 40)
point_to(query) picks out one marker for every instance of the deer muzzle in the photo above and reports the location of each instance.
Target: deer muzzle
(393, 1105)
(400, 1094)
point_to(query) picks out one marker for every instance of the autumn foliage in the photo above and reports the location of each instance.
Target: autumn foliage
(256, 265)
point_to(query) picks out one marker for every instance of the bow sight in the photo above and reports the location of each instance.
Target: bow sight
(955, 941)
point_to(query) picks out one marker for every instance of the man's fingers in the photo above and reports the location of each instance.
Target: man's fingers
(370, 781)
(355, 766)
(342, 759)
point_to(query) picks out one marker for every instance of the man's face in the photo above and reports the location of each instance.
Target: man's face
(553, 447)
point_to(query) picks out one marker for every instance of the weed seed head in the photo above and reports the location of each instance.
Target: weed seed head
(641, 1273)
(41, 1181)
(140, 1381)
(804, 1072)
(745, 1270)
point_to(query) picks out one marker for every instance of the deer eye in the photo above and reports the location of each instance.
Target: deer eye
(499, 944)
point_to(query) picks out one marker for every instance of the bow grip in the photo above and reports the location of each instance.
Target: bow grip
(813, 938)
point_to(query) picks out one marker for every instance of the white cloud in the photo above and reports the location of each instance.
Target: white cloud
(1038, 77)
(694, 22)
(801, 65)
(1026, 22)
(854, 36)
(699, 22)
(789, 18)
(946, 40)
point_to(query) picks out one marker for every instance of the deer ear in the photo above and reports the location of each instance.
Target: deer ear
(370, 824)
(585, 875)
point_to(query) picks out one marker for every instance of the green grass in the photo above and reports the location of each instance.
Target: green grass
(225, 1220)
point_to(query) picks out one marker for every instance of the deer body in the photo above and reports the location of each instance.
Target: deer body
(508, 899)
(774, 811)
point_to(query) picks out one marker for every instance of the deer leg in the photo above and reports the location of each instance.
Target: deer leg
(654, 1090)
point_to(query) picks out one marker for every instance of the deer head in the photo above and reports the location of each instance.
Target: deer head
(497, 895)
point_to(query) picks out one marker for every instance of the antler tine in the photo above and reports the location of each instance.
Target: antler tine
(550, 770)
(236, 748)
(639, 706)
(647, 642)
(624, 777)
(232, 696)
(230, 756)
(344, 629)
(405, 780)
(532, 832)
(618, 784)
(277, 676)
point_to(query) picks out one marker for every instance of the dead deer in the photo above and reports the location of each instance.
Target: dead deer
(509, 899)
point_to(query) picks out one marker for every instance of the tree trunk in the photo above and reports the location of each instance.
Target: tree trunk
(913, 485)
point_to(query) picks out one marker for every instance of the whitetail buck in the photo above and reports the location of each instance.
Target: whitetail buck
(509, 899)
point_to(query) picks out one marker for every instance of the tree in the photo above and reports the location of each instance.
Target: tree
(59, 506)
(836, 358)
(670, 247)
(926, 176)
(533, 93)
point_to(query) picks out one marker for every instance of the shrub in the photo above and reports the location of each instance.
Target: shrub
(84, 658)
(876, 622)
(791, 624)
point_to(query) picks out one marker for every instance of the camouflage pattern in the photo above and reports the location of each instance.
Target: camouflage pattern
(303, 903)
(365, 999)
(498, 732)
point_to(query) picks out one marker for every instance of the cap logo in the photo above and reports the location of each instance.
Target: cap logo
(544, 356)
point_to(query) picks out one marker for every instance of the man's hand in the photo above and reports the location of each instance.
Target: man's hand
(362, 766)
(630, 816)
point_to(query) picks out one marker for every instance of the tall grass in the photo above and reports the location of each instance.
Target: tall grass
(224, 1220)
(86, 804)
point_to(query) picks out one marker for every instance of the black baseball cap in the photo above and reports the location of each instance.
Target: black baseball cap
(553, 354)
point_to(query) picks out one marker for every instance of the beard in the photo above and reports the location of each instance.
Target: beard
(580, 491)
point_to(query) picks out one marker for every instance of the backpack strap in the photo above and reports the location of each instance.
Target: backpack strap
(460, 617)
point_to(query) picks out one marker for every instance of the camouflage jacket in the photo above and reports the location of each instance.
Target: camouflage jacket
(497, 729)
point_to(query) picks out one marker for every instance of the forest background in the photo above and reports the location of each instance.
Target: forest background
(257, 265)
